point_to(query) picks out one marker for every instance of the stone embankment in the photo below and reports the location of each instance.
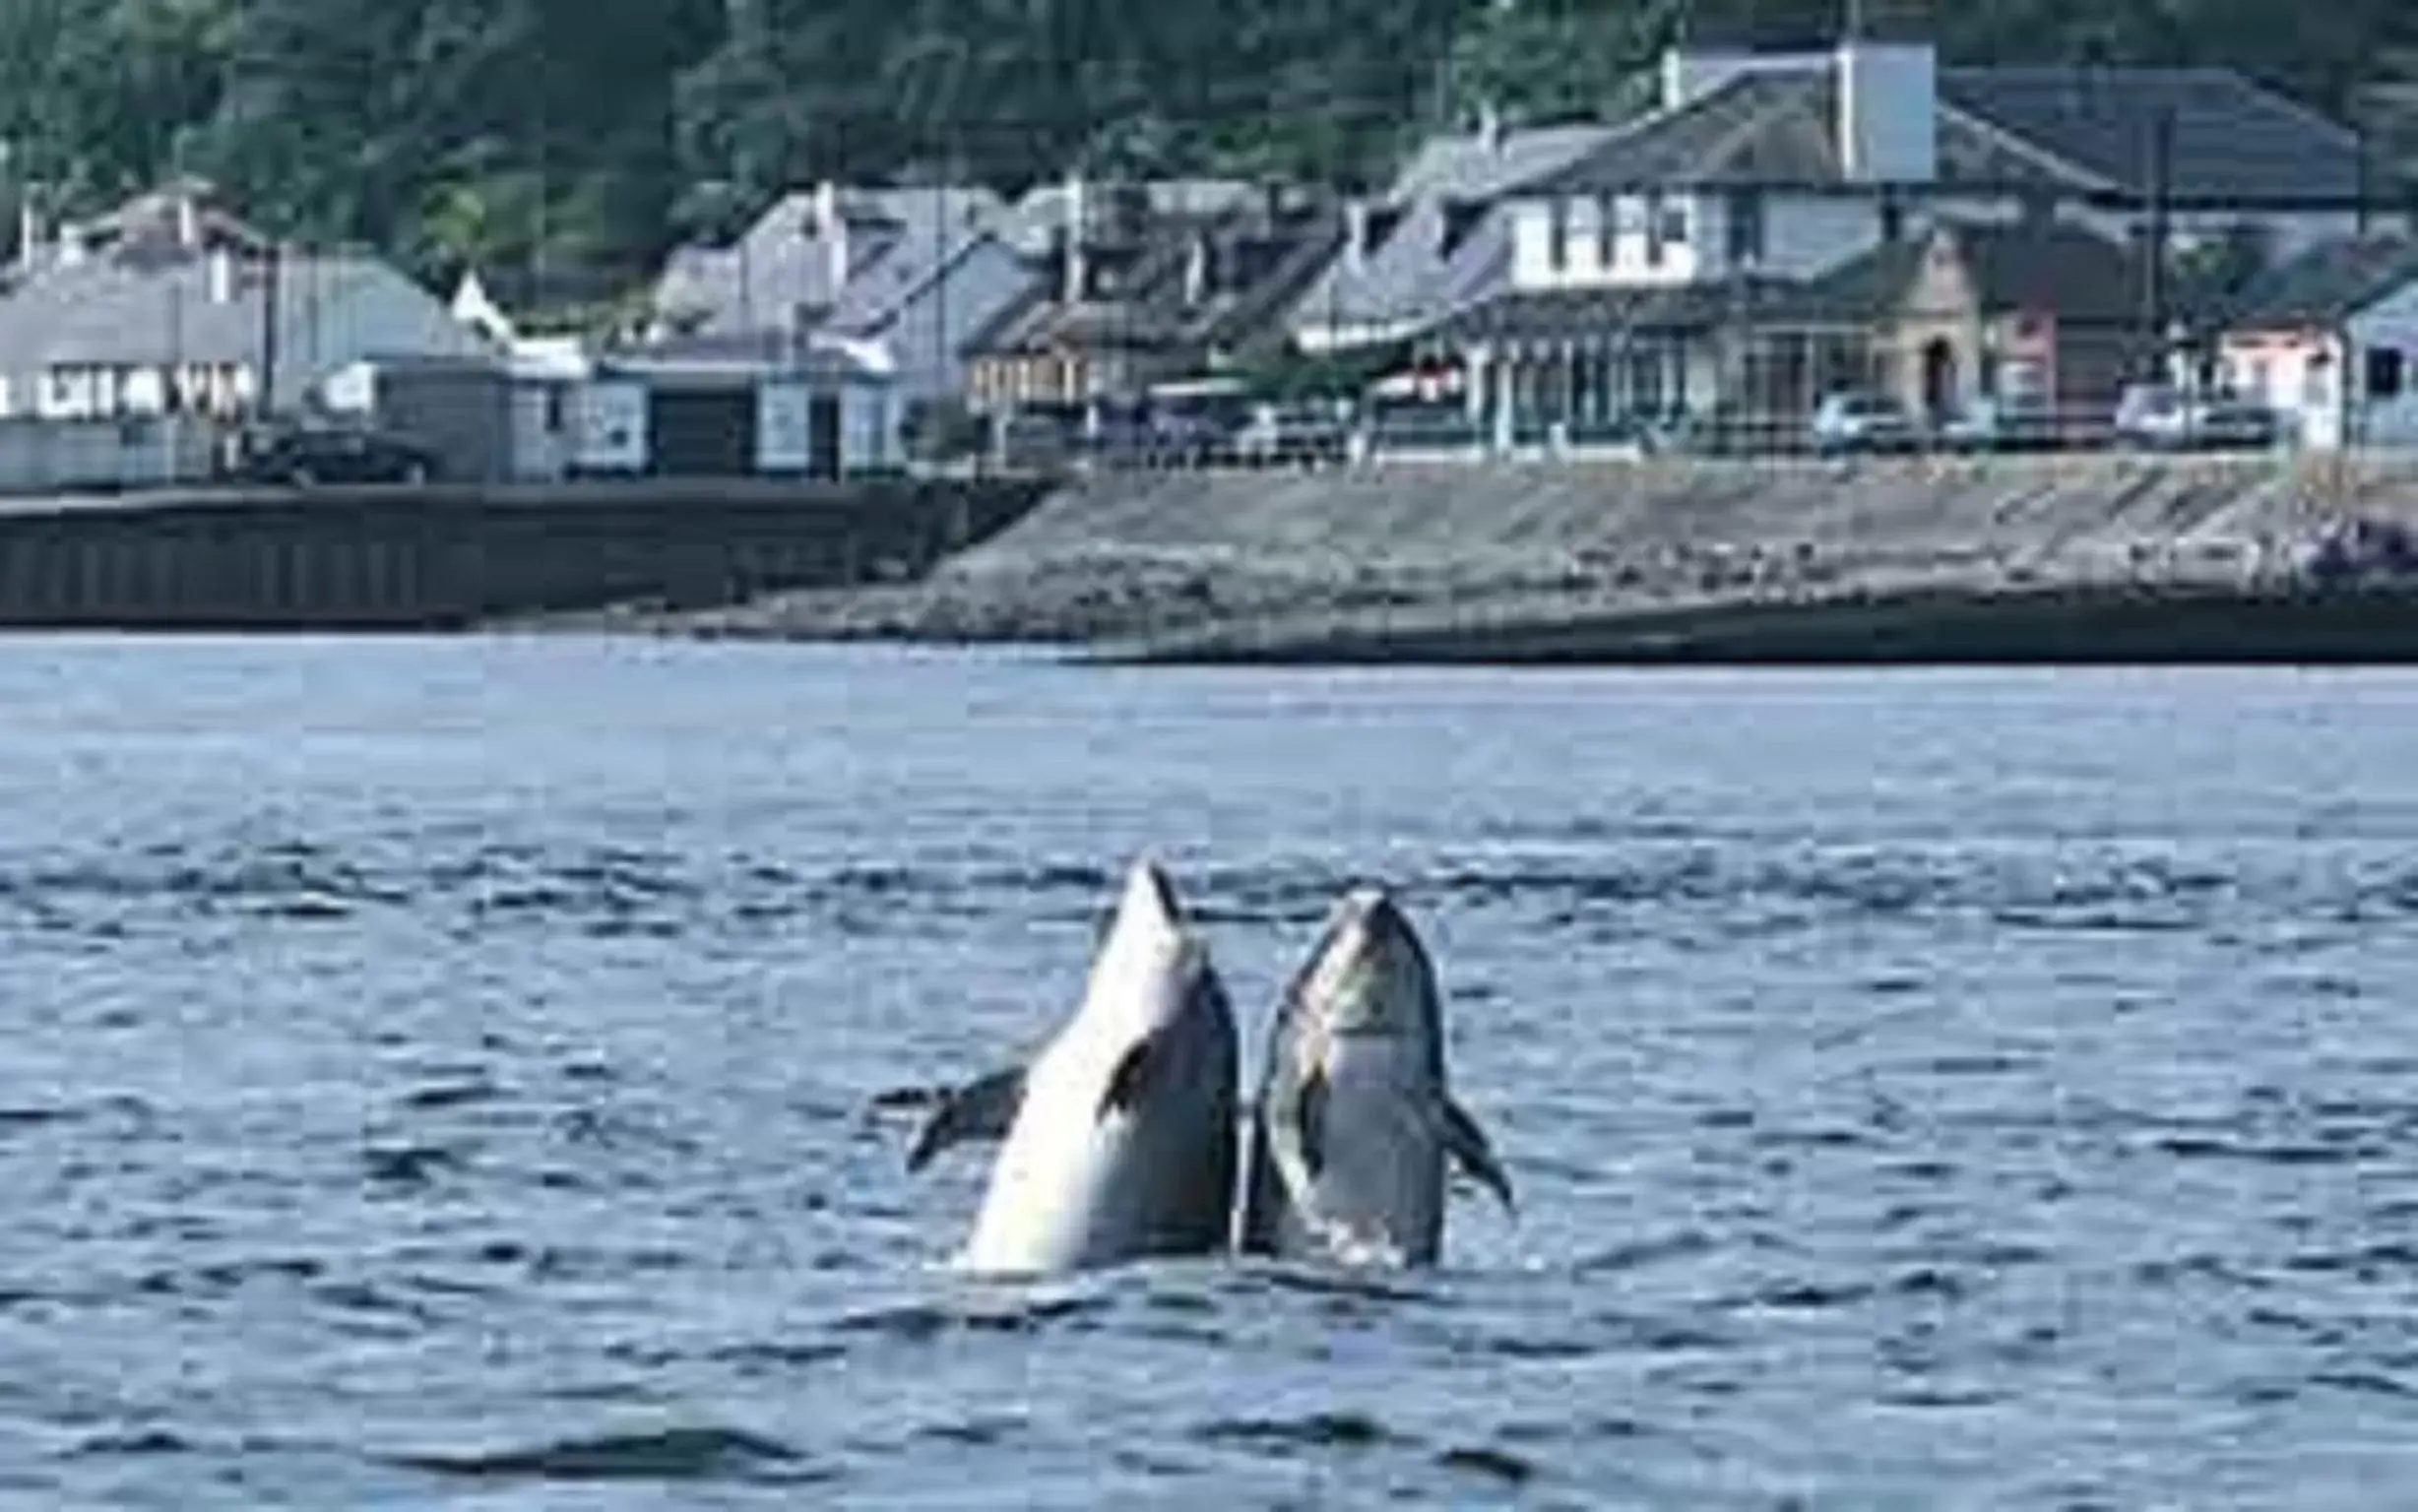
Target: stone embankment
(1618, 561)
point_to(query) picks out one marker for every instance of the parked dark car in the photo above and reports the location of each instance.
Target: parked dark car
(2231, 422)
(304, 456)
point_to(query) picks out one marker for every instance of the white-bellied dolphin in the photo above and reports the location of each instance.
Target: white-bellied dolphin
(1120, 1136)
(1355, 1120)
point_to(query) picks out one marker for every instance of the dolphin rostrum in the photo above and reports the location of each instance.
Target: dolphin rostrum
(1355, 1121)
(1120, 1138)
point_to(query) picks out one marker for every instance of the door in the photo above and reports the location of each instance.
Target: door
(823, 435)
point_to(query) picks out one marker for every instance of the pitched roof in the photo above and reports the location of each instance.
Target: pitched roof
(1997, 128)
(1474, 166)
(1259, 264)
(2327, 284)
(2053, 269)
(786, 260)
(157, 310)
(1446, 244)
(1778, 127)
(2231, 139)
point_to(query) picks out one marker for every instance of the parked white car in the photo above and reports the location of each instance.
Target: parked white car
(2160, 416)
(1858, 420)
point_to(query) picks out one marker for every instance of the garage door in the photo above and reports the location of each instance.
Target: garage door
(702, 433)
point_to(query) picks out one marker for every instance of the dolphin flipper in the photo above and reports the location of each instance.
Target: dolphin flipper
(1467, 1143)
(981, 1109)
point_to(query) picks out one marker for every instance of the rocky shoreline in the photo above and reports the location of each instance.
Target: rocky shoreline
(1607, 562)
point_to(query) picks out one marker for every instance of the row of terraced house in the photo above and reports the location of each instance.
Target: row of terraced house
(1777, 228)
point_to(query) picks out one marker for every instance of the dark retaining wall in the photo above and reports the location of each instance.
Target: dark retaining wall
(2067, 626)
(446, 557)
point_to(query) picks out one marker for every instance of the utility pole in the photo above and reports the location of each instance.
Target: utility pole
(2161, 160)
(271, 295)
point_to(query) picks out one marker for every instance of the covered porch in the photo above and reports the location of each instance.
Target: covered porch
(1570, 367)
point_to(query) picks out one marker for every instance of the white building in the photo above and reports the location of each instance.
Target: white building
(170, 306)
(1759, 175)
(2331, 340)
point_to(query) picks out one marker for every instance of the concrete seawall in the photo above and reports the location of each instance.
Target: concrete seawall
(449, 557)
(1662, 559)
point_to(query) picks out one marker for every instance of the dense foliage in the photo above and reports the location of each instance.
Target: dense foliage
(570, 141)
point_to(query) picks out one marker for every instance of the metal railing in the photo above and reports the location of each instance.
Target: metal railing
(1540, 438)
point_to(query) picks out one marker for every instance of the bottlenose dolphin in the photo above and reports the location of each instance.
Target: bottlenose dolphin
(1355, 1122)
(1120, 1136)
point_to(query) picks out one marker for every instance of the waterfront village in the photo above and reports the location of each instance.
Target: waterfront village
(1865, 247)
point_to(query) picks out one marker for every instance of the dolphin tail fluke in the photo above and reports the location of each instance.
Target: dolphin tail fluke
(1467, 1143)
(980, 1111)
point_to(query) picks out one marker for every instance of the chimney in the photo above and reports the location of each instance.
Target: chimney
(222, 266)
(188, 222)
(29, 232)
(1888, 111)
(1489, 126)
(1356, 234)
(1078, 234)
(831, 223)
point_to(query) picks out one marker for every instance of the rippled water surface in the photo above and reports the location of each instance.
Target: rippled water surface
(446, 1073)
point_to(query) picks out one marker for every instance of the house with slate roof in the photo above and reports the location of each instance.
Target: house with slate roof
(1662, 269)
(2329, 340)
(172, 305)
(916, 271)
(1134, 291)
(1436, 241)
(2042, 315)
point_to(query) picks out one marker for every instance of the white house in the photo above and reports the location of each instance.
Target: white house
(1762, 174)
(2331, 340)
(169, 306)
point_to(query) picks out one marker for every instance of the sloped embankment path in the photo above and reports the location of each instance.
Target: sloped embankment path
(1622, 560)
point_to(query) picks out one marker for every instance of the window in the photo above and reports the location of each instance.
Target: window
(1745, 226)
(2385, 372)
(1672, 223)
(1892, 220)
(1557, 236)
(1606, 231)
(1666, 226)
(1629, 221)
